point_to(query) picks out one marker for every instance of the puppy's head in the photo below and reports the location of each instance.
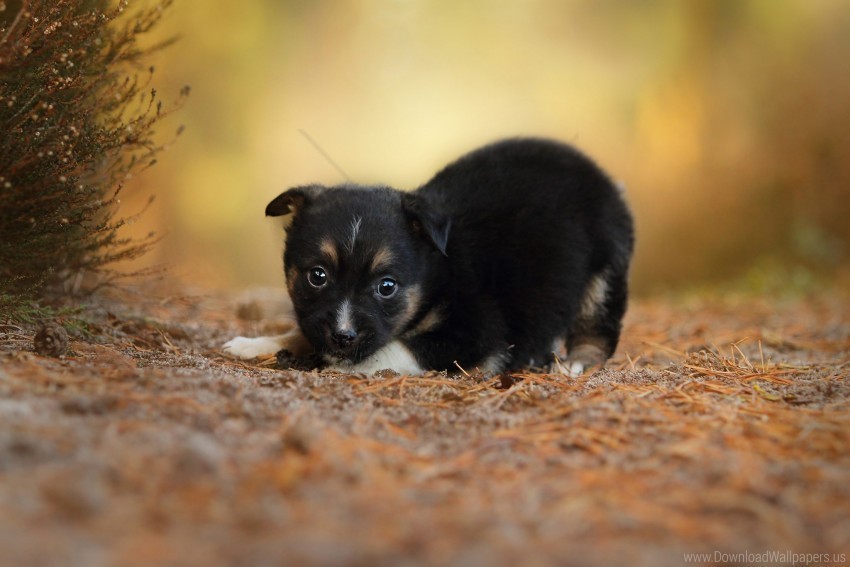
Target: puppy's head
(357, 263)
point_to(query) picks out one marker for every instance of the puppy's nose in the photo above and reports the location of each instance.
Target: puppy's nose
(344, 337)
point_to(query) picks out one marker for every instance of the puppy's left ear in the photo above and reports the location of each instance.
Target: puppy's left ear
(293, 200)
(427, 219)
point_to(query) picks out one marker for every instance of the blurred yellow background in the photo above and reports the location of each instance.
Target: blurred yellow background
(727, 120)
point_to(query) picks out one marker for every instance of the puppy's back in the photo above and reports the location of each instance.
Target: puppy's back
(533, 222)
(507, 172)
(520, 195)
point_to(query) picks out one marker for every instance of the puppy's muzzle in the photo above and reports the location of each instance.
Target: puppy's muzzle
(344, 338)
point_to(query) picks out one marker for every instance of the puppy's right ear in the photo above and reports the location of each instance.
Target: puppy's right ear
(293, 200)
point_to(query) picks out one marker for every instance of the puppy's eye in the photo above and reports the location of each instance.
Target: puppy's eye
(387, 287)
(317, 277)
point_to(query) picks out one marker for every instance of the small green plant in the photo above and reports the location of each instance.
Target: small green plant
(77, 117)
(30, 313)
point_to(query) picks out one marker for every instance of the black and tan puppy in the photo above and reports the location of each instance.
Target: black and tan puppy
(498, 261)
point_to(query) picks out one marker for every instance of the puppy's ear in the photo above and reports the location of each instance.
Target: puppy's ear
(427, 219)
(293, 200)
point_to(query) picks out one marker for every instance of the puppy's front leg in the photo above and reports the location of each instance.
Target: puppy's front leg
(246, 348)
(580, 359)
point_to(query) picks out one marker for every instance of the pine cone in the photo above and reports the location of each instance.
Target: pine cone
(51, 340)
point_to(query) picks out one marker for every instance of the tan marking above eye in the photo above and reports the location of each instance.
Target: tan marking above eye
(328, 248)
(382, 259)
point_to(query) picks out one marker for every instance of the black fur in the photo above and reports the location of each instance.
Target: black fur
(502, 246)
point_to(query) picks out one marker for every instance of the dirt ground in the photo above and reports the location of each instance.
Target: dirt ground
(721, 426)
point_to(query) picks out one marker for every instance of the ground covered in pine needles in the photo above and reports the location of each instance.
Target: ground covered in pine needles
(720, 427)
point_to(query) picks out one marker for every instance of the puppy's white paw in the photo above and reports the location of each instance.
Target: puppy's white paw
(566, 367)
(576, 369)
(245, 348)
(583, 357)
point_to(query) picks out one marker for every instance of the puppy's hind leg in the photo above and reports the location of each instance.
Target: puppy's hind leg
(595, 333)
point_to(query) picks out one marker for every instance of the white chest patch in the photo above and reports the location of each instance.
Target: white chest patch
(395, 356)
